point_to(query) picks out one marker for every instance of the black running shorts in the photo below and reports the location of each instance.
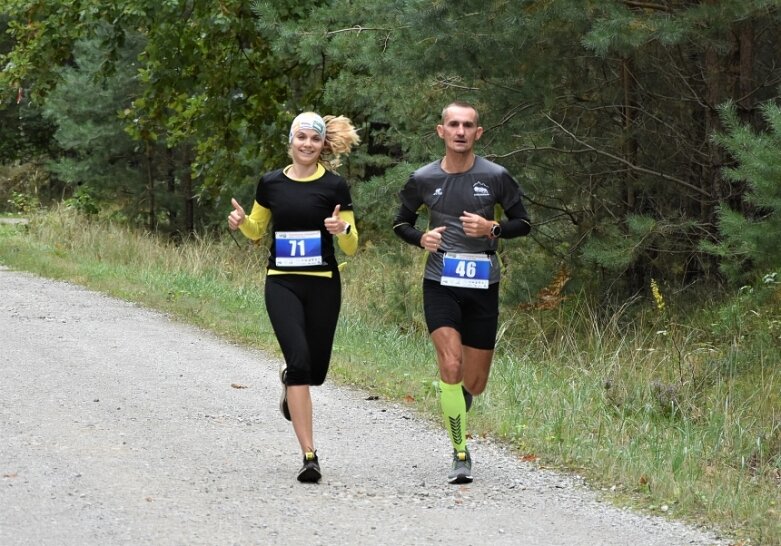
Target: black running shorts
(473, 312)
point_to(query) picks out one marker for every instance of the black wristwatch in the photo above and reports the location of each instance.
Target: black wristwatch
(496, 231)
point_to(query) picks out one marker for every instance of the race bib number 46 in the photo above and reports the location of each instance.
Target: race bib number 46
(466, 270)
(298, 248)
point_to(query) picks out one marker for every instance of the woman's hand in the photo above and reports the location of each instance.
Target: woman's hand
(334, 224)
(237, 215)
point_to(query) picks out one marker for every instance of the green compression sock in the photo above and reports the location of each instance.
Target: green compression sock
(451, 400)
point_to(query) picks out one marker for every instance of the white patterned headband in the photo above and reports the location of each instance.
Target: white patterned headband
(307, 120)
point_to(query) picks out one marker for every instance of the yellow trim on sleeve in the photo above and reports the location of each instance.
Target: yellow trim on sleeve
(348, 242)
(255, 225)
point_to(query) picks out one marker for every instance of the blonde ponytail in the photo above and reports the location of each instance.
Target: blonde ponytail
(340, 137)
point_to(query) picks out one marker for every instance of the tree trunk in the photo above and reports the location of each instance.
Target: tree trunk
(714, 96)
(637, 271)
(150, 184)
(745, 101)
(171, 179)
(629, 139)
(187, 191)
(746, 70)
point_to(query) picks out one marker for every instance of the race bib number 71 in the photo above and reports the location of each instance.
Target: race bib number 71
(466, 270)
(298, 248)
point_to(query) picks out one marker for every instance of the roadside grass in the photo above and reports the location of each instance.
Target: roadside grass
(675, 415)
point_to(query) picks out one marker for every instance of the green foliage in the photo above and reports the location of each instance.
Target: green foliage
(24, 203)
(99, 155)
(552, 111)
(23, 186)
(83, 201)
(210, 89)
(751, 232)
(616, 248)
(23, 132)
(624, 28)
(603, 110)
(376, 200)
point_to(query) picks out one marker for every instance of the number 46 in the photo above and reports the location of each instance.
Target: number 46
(466, 269)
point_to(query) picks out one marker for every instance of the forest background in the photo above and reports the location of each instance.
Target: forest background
(645, 134)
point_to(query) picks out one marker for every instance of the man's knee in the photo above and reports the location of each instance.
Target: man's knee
(450, 370)
(475, 385)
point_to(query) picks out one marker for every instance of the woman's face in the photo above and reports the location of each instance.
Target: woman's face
(306, 147)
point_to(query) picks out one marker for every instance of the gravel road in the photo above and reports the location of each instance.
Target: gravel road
(121, 426)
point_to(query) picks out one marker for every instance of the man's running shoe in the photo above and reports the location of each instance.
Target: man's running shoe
(467, 397)
(283, 400)
(310, 472)
(462, 467)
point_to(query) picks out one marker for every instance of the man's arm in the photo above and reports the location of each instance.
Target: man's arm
(404, 226)
(517, 223)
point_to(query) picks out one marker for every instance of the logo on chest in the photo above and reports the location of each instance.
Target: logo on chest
(480, 189)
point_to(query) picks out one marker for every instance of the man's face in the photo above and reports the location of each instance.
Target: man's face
(459, 129)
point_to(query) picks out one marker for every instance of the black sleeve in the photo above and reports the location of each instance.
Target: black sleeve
(343, 196)
(517, 223)
(260, 194)
(404, 226)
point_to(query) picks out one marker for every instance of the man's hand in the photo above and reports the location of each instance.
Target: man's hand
(475, 226)
(432, 240)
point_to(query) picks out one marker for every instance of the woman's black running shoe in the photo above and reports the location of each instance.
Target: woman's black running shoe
(310, 472)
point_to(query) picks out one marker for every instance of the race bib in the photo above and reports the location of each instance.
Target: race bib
(298, 248)
(466, 270)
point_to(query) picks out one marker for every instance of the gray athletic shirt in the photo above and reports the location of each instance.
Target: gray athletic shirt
(447, 196)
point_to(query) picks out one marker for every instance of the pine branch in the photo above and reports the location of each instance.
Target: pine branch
(358, 29)
(646, 5)
(636, 168)
(564, 212)
(447, 83)
(539, 149)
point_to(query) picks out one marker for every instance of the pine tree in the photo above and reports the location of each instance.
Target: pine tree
(100, 160)
(751, 238)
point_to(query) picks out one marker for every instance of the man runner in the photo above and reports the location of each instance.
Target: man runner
(461, 277)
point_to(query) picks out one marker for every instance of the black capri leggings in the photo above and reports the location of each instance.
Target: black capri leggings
(304, 311)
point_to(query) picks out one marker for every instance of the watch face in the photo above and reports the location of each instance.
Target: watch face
(496, 230)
